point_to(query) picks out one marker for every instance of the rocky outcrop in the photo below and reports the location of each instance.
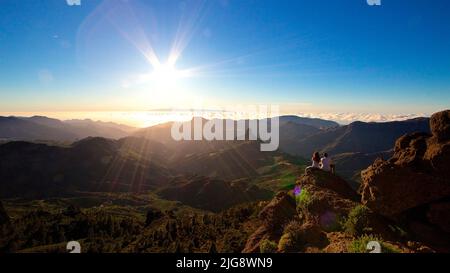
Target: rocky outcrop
(328, 181)
(274, 217)
(300, 221)
(414, 185)
(329, 198)
(417, 174)
(440, 125)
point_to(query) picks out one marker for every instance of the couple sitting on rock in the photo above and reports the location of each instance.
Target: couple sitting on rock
(323, 162)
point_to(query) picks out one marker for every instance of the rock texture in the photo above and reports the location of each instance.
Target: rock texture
(305, 224)
(413, 187)
(274, 217)
(331, 198)
(416, 175)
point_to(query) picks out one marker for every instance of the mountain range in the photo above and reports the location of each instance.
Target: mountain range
(39, 128)
(146, 192)
(140, 157)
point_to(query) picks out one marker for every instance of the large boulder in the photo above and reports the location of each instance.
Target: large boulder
(413, 187)
(440, 125)
(390, 189)
(416, 175)
(328, 181)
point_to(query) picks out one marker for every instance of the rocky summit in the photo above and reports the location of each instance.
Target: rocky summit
(414, 185)
(322, 214)
(403, 203)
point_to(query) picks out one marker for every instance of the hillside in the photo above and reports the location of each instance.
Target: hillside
(126, 165)
(359, 137)
(312, 122)
(40, 128)
(94, 164)
(211, 194)
(19, 129)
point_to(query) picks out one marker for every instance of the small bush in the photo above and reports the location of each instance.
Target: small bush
(357, 222)
(292, 227)
(304, 199)
(287, 243)
(268, 246)
(292, 240)
(360, 245)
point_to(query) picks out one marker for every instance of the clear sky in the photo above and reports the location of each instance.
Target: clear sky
(318, 58)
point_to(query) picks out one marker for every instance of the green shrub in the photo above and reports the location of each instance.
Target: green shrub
(357, 222)
(360, 245)
(304, 199)
(287, 243)
(268, 246)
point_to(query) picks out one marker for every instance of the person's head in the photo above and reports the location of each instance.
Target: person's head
(325, 155)
(316, 156)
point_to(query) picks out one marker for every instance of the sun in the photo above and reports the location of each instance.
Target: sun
(162, 85)
(165, 75)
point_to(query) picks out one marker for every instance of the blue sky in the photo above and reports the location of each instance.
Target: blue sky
(308, 56)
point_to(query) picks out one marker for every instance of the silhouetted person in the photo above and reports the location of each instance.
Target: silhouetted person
(325, 163)
(315, 161)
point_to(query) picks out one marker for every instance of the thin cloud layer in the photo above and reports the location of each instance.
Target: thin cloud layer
(345, 118)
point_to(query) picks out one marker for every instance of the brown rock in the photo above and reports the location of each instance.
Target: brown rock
(440, 125)
(438, 156)
(330, 199)
(328, 181)
(253, 242)
(279, 211)
(409, 149)
(313, 235)
(416, 175)
(274, 217)
(389, 189)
